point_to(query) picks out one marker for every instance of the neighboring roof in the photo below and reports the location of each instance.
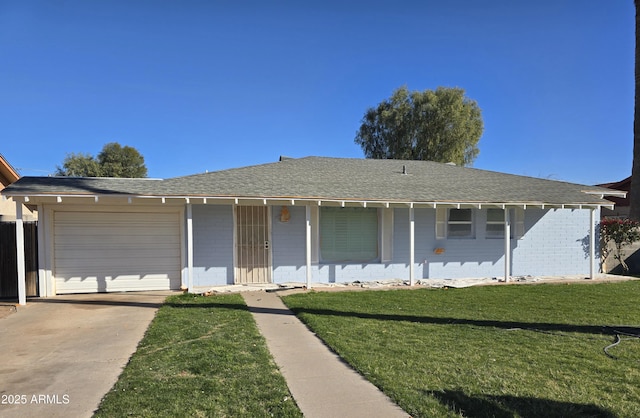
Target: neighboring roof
(623, 185)
(335, 179)
(8, 174)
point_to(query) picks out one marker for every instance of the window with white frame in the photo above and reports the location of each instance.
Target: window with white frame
(348, 234)
(460, 223)
(495, 223)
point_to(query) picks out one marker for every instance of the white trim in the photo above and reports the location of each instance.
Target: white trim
(308, 244)
(507, 245)
(270, 240)
(189, 248)
(609, 192)
(249, 200)
(22, 287)
(592, 243)
(235, 243)
(43, 282)
(411, 246)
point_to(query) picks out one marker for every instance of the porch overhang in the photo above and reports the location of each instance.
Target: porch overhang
(290, 201)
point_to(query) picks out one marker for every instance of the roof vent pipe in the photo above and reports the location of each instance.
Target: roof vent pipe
(404, 169)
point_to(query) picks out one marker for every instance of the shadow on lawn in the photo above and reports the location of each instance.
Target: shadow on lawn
(537, 326)
(509, 406)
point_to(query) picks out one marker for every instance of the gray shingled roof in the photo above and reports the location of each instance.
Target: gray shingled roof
(333, 179)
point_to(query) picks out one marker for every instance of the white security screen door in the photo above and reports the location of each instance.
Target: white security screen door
(253, 249)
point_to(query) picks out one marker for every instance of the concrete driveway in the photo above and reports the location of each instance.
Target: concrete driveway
(59, 356)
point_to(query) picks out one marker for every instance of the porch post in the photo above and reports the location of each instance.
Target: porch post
(507, 245)
(411, 246)
(190, 247)
(308, 244)
(592, 244)
(22, 287)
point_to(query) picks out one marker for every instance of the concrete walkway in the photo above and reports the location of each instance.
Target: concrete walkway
(320, 382)
(61, 355)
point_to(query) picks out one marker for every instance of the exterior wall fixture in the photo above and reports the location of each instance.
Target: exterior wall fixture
(285, 216)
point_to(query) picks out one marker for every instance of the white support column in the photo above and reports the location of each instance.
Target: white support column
(411, 246)
(190, 248)
(507, 245)
(308, 244)
(592, 244)
(43, 276)
(22, 287)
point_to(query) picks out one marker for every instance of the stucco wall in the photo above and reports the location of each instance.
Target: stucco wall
(8, 211)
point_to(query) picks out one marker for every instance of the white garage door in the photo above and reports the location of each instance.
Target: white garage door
(109, 251)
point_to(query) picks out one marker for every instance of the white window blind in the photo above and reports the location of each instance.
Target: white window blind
(348, 234)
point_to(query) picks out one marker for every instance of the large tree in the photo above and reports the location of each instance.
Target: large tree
(442, 125)
(113, 161)
(634, 194)
(79, 165)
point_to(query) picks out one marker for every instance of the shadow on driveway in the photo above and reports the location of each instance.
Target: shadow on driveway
(61, 355)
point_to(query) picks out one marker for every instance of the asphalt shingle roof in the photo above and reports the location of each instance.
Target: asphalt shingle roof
(325, 178)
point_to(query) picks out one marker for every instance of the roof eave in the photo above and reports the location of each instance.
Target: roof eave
(293, 201)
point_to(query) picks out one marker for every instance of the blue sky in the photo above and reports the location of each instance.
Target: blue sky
(209, 85)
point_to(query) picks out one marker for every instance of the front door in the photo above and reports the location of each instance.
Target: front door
(253, 249)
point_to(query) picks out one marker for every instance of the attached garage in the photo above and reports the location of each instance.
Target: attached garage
(103, 251)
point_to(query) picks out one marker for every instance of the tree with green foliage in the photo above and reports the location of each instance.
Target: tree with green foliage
(118, 161)
(442, 125)
(79, 165)
(619, 233)
(113, 161)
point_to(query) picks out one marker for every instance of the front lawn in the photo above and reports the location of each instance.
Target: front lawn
(494, 351)
(201, 357)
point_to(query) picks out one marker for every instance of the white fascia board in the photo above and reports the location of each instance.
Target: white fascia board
(282, 201)
(610, 192)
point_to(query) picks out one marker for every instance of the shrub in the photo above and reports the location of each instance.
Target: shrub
(621, 232)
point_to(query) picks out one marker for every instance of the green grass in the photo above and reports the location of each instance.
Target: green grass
(201, 357)
(494, 351)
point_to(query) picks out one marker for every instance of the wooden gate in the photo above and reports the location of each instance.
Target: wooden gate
(9, 259)
(253, 249)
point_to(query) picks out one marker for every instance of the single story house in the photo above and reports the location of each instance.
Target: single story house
(310, 220)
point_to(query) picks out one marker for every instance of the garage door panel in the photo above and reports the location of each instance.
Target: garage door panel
(128, 250)
(116, 251)
(117, 235)
(107, 242)
(113, 265)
